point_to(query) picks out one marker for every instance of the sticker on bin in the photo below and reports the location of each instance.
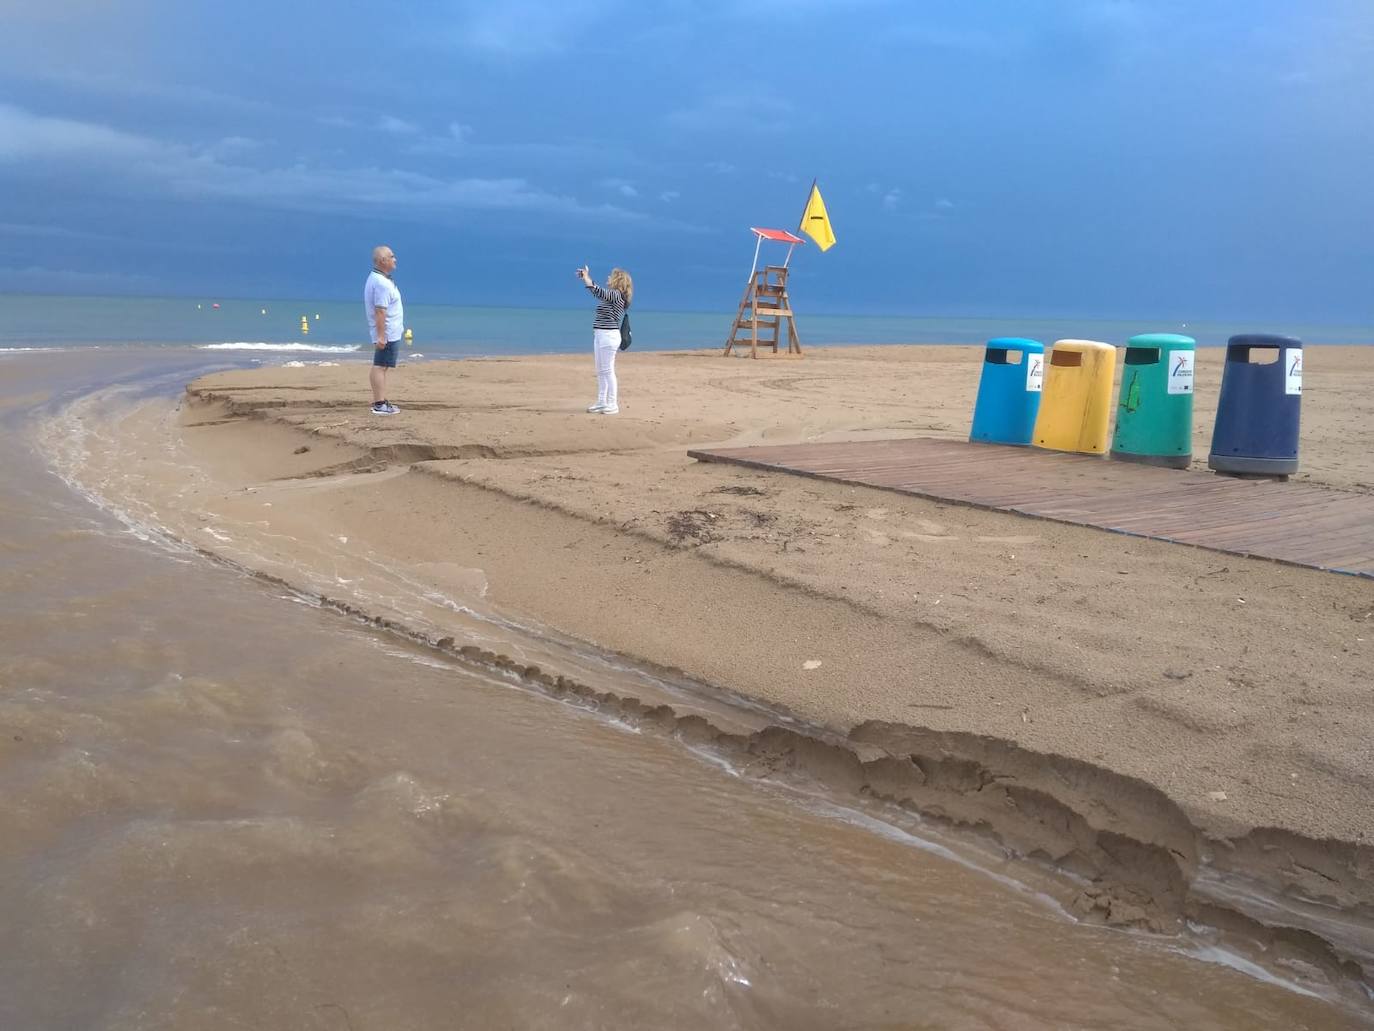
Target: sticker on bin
(1180, 372)
(1035, 372)
(1292, 364)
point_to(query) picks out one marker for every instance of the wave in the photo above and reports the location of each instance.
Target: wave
(244, 345)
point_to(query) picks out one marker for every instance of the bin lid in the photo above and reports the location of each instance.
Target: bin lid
(1083, 345)
(1263, 340)
(1017, 344)
(1176, 341)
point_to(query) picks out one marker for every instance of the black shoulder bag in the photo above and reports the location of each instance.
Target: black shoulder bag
(625, 337)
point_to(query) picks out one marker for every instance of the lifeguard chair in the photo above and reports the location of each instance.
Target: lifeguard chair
(765, 304)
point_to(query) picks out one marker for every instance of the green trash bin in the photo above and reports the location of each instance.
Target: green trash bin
(1154, 415)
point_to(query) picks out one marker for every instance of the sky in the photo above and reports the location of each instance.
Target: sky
(1105, 158)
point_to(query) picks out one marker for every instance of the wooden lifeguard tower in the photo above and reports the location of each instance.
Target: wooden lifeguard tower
(765, 304)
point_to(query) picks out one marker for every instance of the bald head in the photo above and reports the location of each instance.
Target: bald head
(383, 259)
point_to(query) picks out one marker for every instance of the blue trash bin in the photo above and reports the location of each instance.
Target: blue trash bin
(1009, 391)
(1256, 431)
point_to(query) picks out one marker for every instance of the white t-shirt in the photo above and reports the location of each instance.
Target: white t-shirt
(381, 292)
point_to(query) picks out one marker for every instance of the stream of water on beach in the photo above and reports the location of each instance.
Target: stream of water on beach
(222, 806)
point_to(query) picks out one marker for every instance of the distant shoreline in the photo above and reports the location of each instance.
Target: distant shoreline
(78, 320)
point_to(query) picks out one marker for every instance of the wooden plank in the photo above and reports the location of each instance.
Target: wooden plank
(732, 341)
(1301, 524)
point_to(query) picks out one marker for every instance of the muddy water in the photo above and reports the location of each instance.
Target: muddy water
(222, 806)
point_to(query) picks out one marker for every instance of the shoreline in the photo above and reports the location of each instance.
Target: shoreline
(1104, 755)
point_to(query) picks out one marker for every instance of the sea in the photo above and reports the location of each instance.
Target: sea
(337, 327)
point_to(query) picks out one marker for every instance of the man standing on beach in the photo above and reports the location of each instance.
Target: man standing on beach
(386, 324)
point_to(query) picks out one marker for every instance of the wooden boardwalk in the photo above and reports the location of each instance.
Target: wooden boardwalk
(1300, 524)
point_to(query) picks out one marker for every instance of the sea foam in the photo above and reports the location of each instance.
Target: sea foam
(244, 345)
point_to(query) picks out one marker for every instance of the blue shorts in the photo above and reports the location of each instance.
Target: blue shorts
(386, 356)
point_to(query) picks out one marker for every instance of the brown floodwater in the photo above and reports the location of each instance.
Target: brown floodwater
(225, 806)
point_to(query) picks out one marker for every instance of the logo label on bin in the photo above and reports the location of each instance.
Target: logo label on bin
(1180, 372)
(1035, 372)
(1292, 365)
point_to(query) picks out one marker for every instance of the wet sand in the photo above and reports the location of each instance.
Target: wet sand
(1164, 722)
(227, 802)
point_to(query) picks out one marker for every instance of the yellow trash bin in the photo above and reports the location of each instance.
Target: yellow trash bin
(1076, 404)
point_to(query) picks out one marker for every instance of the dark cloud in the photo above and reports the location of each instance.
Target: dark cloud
(1063, 154)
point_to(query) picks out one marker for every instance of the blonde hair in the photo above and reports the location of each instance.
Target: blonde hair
(620, 280)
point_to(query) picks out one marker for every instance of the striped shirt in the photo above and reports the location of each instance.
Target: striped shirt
(610, 308)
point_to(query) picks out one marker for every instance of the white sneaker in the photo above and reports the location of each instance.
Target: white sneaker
(609, 410)
(600, 406)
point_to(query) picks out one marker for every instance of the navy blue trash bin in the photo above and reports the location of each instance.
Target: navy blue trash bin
(1256, 431)
(1009, 391)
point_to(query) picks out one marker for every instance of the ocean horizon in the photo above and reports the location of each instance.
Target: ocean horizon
(46, 321)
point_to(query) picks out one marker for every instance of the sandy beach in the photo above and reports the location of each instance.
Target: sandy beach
(1132, 711)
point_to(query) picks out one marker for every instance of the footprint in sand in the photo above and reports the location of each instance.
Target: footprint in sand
(876, 513)
(929, 530)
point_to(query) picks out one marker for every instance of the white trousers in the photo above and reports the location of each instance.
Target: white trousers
(605, 345)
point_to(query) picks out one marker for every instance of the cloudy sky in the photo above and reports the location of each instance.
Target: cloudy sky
(1181, 158)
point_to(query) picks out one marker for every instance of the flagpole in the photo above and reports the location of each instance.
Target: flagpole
(801, 222)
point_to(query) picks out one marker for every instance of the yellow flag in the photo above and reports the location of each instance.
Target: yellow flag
(815, 222)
